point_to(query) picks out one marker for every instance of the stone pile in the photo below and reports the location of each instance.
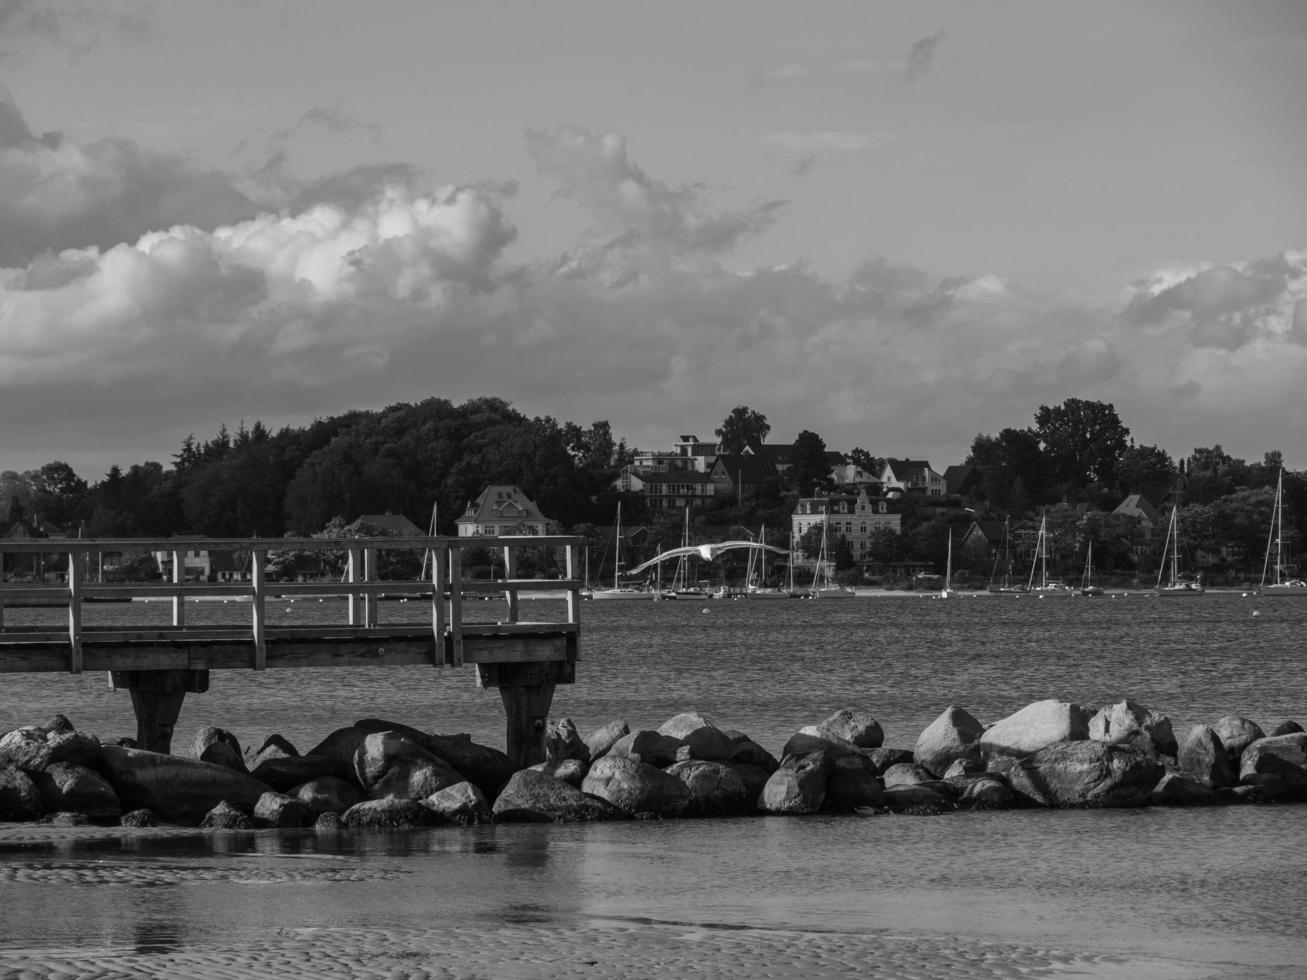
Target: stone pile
(381, 774)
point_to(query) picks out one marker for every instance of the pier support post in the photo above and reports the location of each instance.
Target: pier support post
(527, 690)
(157, 697)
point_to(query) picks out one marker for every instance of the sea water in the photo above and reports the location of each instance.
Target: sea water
(1221, 887)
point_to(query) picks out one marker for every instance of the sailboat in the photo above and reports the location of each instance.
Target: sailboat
(1175, 586)
(620, 591)
(757, 573)
(947, 592)
(1281, 583)
(1087, 586)
(1005, 585)
(824, 585)
(1045, 585)
(682, 587)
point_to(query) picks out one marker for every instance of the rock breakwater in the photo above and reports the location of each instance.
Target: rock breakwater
(376, 773)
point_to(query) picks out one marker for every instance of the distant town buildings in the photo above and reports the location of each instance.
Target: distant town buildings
(502, 509)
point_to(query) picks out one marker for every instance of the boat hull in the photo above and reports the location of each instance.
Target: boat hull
(630, 595)
(1180, 592)
(1286, 589)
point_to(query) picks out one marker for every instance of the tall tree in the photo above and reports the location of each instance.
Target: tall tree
(1083, 441)
(1018, 477)
(1147, 470)
(743, 427)
(809, 470)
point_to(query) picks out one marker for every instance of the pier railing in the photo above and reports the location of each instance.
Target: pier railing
(510, 652)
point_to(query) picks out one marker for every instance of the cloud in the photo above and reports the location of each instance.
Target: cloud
(76, 26)
(921, 56)
(811, 142)
(642, 224)
(56, 193)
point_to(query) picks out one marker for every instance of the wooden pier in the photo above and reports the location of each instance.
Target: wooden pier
(160, 664)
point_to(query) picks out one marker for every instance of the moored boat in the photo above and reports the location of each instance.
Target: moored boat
(1281, 584)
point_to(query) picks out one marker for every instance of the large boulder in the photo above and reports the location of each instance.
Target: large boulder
(1035, 727)
(284, 772)
(27, 748)
(798, 786)
(716, 789)
(602, 739)
(984, 791)
(568, 770)
(563, 741)
(280, 810)
(180, 790)
(219, 746)
(481, 765)
(917, 800)
(390, 765)
(389, 814)
(461, 803)
(533, 797)
(226, 816)
(753, 777)
(1286, 727)
(19, 797)
(328, 794)
(74, 788)
(853, 726)
(853, 784)
(651, 748)
(810, 739)
(1175, 789)
(749, 753)
(1201, 757)
(954, 735)
(703, 740)
(1236, 734)
(636, 788)
(1086, 773)
(1128, 723)
(273, 747)
(884, 757)
(1284, 756)
(339, 747)
(907, 774)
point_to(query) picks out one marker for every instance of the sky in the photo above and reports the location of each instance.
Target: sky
(895, 225)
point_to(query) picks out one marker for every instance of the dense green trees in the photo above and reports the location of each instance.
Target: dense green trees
(743, 427)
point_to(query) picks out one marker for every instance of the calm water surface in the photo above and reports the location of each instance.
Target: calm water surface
(1192, 886)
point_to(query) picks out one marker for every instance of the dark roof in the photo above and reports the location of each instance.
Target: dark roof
(902, 468)
(745, 467)
(396, 524)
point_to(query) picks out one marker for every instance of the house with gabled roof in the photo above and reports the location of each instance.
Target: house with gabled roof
(1138, 506)
(911, 476)
(502, 509)
(666, 490)
(855, 516)
(742, 474)
(392, 524)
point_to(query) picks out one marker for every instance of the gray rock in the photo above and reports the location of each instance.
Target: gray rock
(636, 788)
(1126, 723)
(749, 753)
(1175, 789)
(855, 727)
(274, 747)
(798, 787)
(907, 774)
(884, 757)
(563, 741)
(1236, 734)
(1287, 727)
(963, 767)
(58, 725)
(853, 784)
(389, 814)
(809, 739)
(648, 747)
(984, 791)
(27, 748)
(601, 740)
(1086, 773)
(178, 789)
(19, 797)
(1036, 726)
(461, 803)
(327, 822)
(532, 797)
(328, 794)
(138, 818)
(226, 816)
(703, 740)
(1202, 757)
(953, 736)
(69, 787)
(66, 818)
(568, 770)
(280, 810)
(340, 747)
(754, 779)
(715, 788)
(284, 772)
(219, 746)
(388, 764)
(1284, 756)
(486, 767)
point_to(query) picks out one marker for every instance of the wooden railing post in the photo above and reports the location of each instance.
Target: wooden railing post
(439, 582)
(178, 579)
(510, 573)
(370, 596)
(258, 580)
(354, 573)
(76, 566)
(573, 593)
(456, 606)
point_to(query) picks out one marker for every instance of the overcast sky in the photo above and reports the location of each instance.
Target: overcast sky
(895, 224)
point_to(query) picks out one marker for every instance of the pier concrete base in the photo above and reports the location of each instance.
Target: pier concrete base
(157, 697)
